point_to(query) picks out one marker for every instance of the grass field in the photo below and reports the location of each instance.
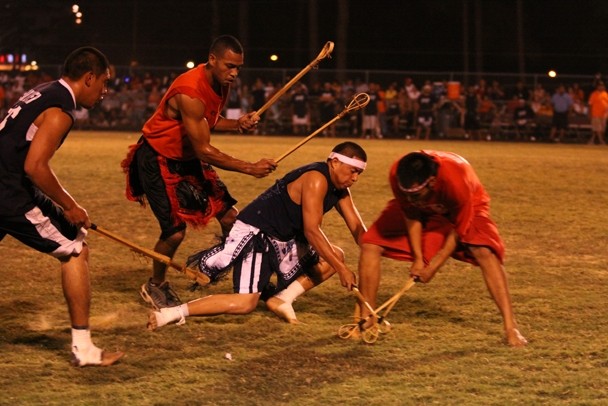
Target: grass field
(550, 203)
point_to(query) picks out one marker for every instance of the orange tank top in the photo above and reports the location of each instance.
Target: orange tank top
(167, 135)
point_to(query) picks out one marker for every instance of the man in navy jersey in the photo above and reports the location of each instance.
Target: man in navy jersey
(280, 232)
(34, 207)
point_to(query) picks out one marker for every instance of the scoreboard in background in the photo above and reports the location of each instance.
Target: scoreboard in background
(9, 61)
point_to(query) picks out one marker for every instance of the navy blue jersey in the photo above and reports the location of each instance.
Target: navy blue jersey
(17, 130)
(276, 214)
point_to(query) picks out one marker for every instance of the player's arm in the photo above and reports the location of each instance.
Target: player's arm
(192, 112)
(246, 122)
(350, 214)
(313, 189)
(440, 258)
(52, 124)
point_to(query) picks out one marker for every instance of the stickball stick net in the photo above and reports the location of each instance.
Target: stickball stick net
(370, 335)
(325, 53)
(357, 103)
(193, 274)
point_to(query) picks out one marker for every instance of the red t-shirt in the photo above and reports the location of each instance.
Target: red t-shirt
(459, 195)
(459, 202)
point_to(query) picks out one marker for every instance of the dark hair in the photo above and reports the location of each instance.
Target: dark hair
(225, 42)
(83, 60)
(415, 167)
(351, 150)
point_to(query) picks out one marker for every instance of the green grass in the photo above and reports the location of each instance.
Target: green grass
(446, 344)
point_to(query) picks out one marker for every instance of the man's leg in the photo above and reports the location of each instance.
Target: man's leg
(600, 134)
(227, 219)
(281, 303)
(157, 292)
(77, 292)
(167, 247)
(496, 281)
(212, 305)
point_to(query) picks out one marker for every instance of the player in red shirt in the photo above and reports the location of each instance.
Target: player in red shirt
(171, 165)
(440, 210)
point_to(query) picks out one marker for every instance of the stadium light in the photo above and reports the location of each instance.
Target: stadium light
(274, 57)
(190, 64)
(552, 73)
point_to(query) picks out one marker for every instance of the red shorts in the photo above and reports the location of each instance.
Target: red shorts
(390, 232)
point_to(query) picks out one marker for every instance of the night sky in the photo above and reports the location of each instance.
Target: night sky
(416, 35)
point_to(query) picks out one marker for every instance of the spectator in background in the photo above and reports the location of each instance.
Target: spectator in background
(391, 99)
(521, 91)
(425, 112)
(408, 101)
(371, 122)
(543, 110)
(233, 104)
(539, 96)
(327, 108)
(258, 98)
(300, 111)
(487, 110)
(153, 99)
(382, 124)
(495, 92)
(2, 99)
(523, 118)
(598, 111)
(562, 104)
(579, 105)
(471, 112)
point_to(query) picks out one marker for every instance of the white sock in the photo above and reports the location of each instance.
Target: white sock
(290, 294)
(168, 315)
(81, 339)
(184, 309)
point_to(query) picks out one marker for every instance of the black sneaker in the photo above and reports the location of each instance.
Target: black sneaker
(159, 296)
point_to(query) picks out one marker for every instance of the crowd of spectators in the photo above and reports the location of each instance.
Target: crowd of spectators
(407, 110)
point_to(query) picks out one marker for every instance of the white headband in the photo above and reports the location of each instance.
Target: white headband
(357, 163)
(414, 189)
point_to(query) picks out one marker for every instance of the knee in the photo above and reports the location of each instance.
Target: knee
(482, 254)
(228, 218)
(175, 239)
(371, 250)
(244, 304)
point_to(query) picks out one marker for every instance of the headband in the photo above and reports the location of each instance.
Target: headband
(415, 189)
(357, 163)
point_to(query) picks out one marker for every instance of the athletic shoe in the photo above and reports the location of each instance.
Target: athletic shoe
(94, 356)
(159, 296)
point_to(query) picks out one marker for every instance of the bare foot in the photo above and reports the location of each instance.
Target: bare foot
(94, 357)
(515, 338)
(282, 309)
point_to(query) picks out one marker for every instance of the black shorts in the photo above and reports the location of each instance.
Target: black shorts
(45, 229)
(189, 199)
(560, 121)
